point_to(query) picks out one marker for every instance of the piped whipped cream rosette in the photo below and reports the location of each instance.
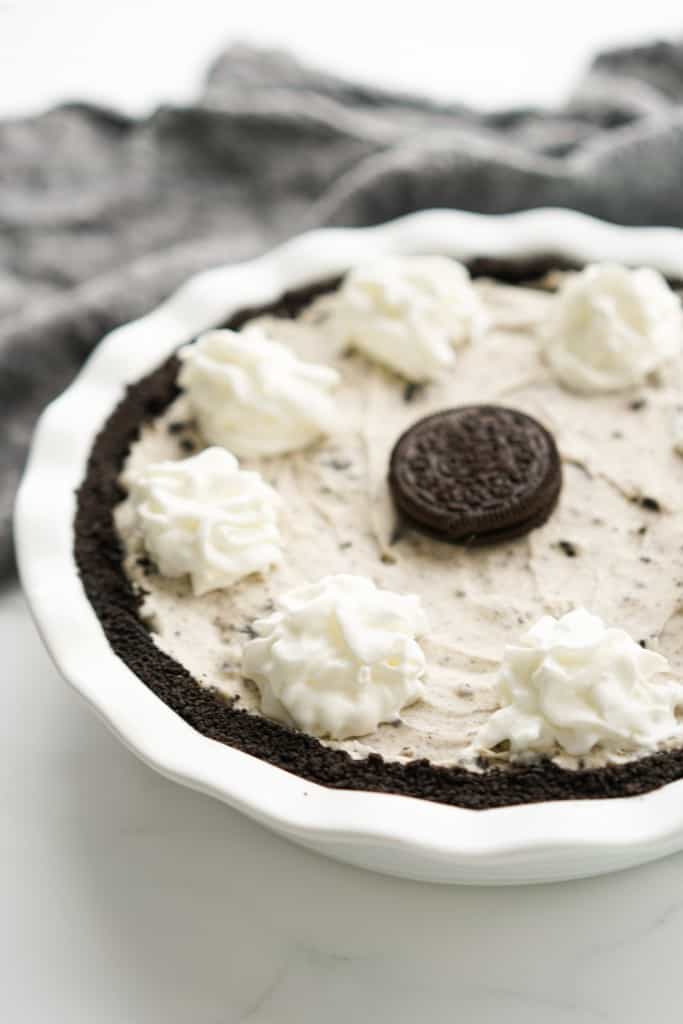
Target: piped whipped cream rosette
(574, 684)
(611, 327)
(408, 314)
(338, 657)
(206, 518)
(254, 395)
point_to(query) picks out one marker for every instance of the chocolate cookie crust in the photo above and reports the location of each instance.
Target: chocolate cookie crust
(477, 474)
(99, 557)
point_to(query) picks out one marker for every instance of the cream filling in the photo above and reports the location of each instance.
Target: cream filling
(338, 517)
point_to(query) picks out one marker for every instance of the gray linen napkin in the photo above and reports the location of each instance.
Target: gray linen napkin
(101, 216)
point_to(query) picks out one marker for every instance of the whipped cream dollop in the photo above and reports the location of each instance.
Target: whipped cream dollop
(408, 313)
(611, 327)
(253, 395)
(338, 657)
(206, 518)
(576, 684)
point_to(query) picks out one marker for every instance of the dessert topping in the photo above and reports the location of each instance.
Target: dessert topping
(408, 314)
(611, 327)
(574, 684)
(338, 657)
(206, 518)
(253, 395)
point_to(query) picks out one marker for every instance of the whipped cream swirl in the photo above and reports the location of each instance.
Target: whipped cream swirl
(576, 684)
(408, 313)
(338, 657)
(253, 395)
(611, 327)
(206, 518)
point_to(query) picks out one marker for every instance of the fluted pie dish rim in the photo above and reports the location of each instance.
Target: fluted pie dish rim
(395, 834)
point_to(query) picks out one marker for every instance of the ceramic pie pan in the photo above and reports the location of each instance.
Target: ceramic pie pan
(392, 834)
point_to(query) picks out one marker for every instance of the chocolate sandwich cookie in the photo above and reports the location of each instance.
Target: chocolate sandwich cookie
(478, 474)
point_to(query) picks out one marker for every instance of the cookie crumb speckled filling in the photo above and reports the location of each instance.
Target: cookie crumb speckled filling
(100, 559)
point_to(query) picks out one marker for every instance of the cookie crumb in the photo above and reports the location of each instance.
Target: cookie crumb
(569, 549)
(397, 534)
(177, 427)
(412, 390)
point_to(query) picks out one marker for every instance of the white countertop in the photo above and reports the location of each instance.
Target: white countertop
(125, 898)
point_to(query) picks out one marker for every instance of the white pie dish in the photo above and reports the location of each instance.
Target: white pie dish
(394, 834)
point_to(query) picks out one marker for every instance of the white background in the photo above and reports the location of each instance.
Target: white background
(126, 899)
(135, 53)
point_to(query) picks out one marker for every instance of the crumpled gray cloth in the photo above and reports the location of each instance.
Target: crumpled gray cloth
(101, 216)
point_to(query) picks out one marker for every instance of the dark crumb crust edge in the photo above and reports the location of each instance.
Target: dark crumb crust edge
(99, 554)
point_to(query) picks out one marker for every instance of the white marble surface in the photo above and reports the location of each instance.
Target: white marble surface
(126, 898)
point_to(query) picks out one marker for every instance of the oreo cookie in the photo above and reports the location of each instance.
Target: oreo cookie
(477, 474)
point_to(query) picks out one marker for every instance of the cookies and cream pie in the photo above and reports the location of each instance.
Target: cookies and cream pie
(416, 531)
